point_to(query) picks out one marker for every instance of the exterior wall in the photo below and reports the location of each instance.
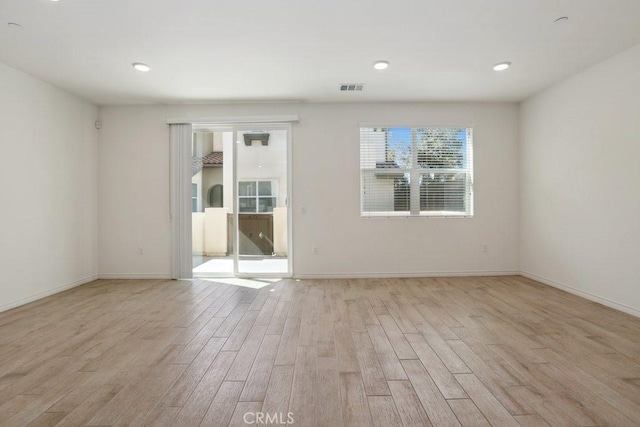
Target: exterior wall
(227, 173)
(272, 160)
(202, 143)
(211, 176)
(197, 179)
(380, 192)
(197, 232)
(255, 162)
(280, 244)
(215, 231)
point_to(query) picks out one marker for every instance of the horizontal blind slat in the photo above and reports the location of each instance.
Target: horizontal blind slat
(440, 159)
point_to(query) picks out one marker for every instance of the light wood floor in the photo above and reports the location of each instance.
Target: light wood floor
(452, 351)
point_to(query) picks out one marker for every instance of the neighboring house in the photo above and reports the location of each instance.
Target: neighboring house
(207, 171)
(207, 181)
(262, 194)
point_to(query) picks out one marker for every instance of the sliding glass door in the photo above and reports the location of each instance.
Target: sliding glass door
(212, 201)
(240, 201)
(262, 201)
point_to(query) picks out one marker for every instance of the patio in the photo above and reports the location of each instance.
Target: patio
(223, 266)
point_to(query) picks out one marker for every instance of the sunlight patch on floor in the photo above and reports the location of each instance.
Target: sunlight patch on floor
(246, 283)
(246, 266)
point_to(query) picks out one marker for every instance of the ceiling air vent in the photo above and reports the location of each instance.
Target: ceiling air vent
(351, 87)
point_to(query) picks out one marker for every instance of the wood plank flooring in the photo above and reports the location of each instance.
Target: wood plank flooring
(474, 351)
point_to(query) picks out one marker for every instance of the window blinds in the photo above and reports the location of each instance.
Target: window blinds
(422, 171)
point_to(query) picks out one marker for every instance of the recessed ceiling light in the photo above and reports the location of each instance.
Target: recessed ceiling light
(501, 66)
(141, 67)
(381, 65)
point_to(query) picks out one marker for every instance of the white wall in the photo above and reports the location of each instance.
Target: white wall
(48, 174)
(580, 183)
(134, 191)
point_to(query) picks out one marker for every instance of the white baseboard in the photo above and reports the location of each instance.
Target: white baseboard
(47, 293)
(407, 275)
(138, 276)
(591, 297)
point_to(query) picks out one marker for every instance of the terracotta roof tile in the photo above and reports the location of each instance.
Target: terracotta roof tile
(214, 158)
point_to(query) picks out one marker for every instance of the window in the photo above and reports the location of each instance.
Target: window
(257, 196)
(423, 171)
(194, 197)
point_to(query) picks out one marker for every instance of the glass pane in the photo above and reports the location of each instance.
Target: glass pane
(247, 204)
(264, 188)
(398, 151)
(443, 192)
(194, 205)
(261, 230)
(212, 229)
(266, 204)
(385, 148)
(385, 193)
(441, 148)
(401, 191)
(246, 188)
(194, 190)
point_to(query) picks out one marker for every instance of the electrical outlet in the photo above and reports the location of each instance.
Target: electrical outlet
(141, 252)
(303, 210)
(315, 250)
(485, 248)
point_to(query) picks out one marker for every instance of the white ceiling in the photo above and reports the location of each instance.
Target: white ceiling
(253, 50)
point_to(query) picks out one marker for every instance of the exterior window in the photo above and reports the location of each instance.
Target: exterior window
(422, 171)
(257, 196)
(194, 197)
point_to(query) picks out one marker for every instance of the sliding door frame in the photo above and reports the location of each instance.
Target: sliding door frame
(236, 232)
(181, 226)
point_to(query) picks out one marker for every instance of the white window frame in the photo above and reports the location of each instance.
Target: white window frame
(415, 172)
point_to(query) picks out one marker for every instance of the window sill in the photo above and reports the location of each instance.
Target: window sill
(424, 214)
